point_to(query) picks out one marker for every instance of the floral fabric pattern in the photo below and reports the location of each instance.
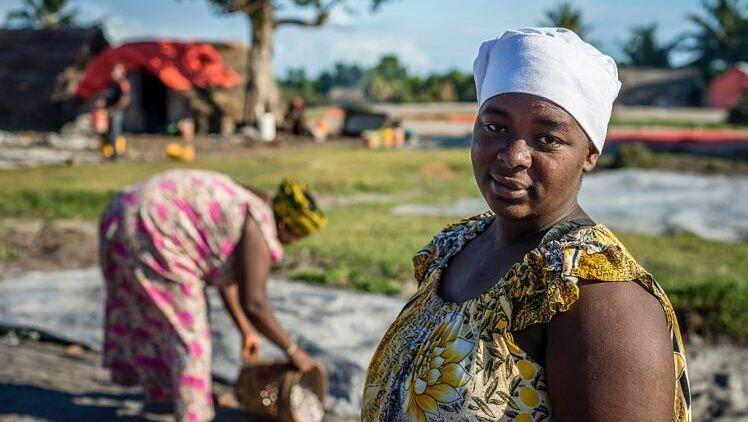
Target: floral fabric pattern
(444, 361)
(162, 243)
(440, 373)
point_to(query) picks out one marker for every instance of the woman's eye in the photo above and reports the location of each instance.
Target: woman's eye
(548, 140)
(492, 127)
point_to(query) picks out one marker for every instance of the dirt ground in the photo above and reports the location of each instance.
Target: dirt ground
(30, 149)
(53, 381)
(44, 380)
(153, 147)
(47, 245)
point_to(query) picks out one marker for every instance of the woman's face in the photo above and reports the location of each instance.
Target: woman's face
(285, 235)
(528, 156)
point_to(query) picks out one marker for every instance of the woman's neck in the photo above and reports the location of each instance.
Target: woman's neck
(509, 232)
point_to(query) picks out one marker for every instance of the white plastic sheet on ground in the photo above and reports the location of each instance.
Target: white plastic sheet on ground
(341, 329)
(713, 207)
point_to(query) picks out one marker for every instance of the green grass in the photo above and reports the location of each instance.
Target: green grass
(639, 155)
(51, 204)
(366, 248)
(363, 247)
(8, 251)
(81, 191)
(706, 281)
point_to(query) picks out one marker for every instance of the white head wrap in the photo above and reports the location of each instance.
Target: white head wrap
(555, 64)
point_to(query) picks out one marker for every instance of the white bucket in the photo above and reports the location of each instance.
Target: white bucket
(266, 125)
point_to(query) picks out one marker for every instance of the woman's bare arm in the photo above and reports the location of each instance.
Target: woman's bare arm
(610, 358)
(254, 268)
(230, 296)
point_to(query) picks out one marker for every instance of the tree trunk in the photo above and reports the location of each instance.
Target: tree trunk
(263, 95)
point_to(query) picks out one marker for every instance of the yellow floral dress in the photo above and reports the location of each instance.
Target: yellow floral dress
(444, 361)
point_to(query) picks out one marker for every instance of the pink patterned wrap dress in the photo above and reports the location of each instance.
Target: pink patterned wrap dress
(162, 243)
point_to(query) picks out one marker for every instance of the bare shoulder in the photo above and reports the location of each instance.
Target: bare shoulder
(610, 356)
(624, 306)
(253, 240)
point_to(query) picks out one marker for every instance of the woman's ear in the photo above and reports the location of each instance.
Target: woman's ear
(590, 161)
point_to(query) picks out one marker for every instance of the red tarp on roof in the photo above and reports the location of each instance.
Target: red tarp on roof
(179, 65)
(675, 136)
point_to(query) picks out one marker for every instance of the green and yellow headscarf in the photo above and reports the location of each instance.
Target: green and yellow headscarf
(295, 207)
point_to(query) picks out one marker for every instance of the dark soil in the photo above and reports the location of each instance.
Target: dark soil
(46, 245)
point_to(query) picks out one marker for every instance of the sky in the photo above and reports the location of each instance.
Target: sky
(427, 35)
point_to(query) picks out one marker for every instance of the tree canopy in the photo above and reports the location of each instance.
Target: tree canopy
(41, 14)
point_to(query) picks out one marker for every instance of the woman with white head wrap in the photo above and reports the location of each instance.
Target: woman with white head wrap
(532, 311)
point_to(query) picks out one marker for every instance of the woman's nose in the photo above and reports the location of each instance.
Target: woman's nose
(516, 155)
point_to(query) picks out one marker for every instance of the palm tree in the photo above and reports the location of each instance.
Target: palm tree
(644, 50)
(41, 14)
(565, 15)
(721, 37)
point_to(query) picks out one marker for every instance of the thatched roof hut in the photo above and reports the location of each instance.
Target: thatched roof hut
(222, 108)
(231, 100)
(172, 80)
(38, 73)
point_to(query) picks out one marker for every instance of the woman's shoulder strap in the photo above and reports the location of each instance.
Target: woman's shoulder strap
(444, 243)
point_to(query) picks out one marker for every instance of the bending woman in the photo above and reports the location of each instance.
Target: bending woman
(533, 311)
(163, 242)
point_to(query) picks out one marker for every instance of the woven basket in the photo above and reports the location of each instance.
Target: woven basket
(264, 388)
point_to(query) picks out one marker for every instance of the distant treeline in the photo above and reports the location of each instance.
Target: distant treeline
(387, 81)
(717, 39)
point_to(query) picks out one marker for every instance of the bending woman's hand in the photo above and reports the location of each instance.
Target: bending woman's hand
(250, 347)
(302, 361)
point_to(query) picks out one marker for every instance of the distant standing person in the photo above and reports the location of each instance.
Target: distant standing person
(100, 123)
(118, 98)
(295, 116)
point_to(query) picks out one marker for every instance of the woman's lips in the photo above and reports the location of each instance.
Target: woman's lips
(508, 189)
